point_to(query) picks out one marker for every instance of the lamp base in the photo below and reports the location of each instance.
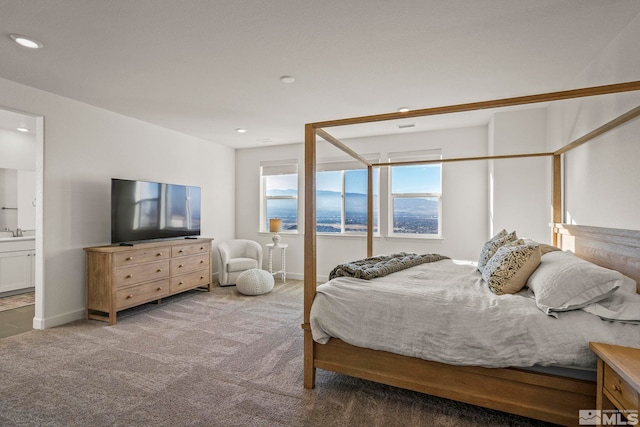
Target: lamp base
(276, 239)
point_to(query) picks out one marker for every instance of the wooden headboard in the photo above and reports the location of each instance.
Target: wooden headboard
(612, 248)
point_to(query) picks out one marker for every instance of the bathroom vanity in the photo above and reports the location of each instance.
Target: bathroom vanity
(17, 263)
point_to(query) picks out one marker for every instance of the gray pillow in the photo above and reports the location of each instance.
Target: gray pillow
(491, 246)
(564, 282)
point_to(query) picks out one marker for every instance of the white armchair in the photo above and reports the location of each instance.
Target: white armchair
(237, 256)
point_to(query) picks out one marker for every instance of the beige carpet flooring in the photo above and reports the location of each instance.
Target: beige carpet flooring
(202, 359)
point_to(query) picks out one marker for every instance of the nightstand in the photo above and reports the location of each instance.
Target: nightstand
(618, 377)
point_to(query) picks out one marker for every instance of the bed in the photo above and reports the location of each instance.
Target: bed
(541, 395)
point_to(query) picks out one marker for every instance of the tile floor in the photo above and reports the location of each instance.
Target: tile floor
(16, 321)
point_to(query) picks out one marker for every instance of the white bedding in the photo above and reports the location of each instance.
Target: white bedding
(443, 311)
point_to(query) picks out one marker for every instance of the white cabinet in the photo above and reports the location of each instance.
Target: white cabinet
(17, 270)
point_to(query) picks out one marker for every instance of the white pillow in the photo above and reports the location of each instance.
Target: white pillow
(564, 282)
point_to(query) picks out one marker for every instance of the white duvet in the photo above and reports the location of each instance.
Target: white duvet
(444, 312)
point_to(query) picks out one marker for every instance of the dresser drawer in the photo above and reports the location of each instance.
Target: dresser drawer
(193, 249)
(189, 264)
(189, 280)
(140, 256)
(127, 276)
(141, 293)
(619, 389)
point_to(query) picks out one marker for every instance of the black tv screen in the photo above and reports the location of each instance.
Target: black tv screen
(142, 210)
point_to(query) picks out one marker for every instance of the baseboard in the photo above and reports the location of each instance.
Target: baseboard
(61, 319)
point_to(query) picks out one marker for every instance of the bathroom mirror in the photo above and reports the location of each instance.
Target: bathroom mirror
(17, 199)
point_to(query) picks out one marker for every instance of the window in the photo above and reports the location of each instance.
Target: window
(279, 194)
(341, 197)
(416, 195)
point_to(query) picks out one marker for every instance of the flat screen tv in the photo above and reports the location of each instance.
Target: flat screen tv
(142, 210)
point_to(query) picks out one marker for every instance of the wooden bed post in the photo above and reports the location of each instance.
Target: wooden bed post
(556, 196)
(309, 250)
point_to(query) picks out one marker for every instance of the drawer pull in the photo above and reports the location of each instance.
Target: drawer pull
(180, 251)
(159, 254)
(159, 270)
(202, 248)
(617, 388)
(201, 277)
(159, 288)
(129, 276)
(180, 283)
(130, 296)
(129, 258)
(201, 262)
(180, 266)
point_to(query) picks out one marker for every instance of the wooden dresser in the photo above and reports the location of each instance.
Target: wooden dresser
(121, 277)
(618, 382)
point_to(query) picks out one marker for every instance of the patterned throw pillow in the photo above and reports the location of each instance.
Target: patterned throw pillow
(490, 248)
(508, 270)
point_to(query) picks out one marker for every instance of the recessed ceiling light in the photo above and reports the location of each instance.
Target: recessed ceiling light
(26, 41)
(403, 109)
(22, 129)
(240, 130)
(287, 79)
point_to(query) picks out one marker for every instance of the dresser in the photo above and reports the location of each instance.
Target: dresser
(121, 277)
(618, 382)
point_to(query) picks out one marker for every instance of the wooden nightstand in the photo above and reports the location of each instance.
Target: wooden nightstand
(618, 377)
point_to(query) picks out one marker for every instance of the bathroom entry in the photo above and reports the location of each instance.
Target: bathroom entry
(18, 153)
(17, 174)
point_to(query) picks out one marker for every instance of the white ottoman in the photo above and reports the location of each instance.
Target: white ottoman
(254, 282)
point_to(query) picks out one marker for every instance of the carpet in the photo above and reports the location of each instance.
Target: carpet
(202, 359)
(17, 301)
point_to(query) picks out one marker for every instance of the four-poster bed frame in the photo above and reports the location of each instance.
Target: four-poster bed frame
(542, 396)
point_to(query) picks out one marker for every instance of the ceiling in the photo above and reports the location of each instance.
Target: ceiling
(208, 67)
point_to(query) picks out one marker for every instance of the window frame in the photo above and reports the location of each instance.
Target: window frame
(343, 166)
(435, 154)
(284, 167)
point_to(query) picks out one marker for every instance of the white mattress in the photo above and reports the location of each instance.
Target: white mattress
(443, 311)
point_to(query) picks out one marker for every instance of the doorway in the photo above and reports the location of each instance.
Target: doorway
(21, 221)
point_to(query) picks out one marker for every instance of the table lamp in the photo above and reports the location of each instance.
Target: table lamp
(275, 225)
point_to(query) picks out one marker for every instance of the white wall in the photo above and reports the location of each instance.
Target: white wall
(464, 198)
(84, 147)
(521, 195)
(602, 176)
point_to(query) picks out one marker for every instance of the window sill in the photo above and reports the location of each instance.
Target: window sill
(288, 233)
(414, 237)
(350, 235)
